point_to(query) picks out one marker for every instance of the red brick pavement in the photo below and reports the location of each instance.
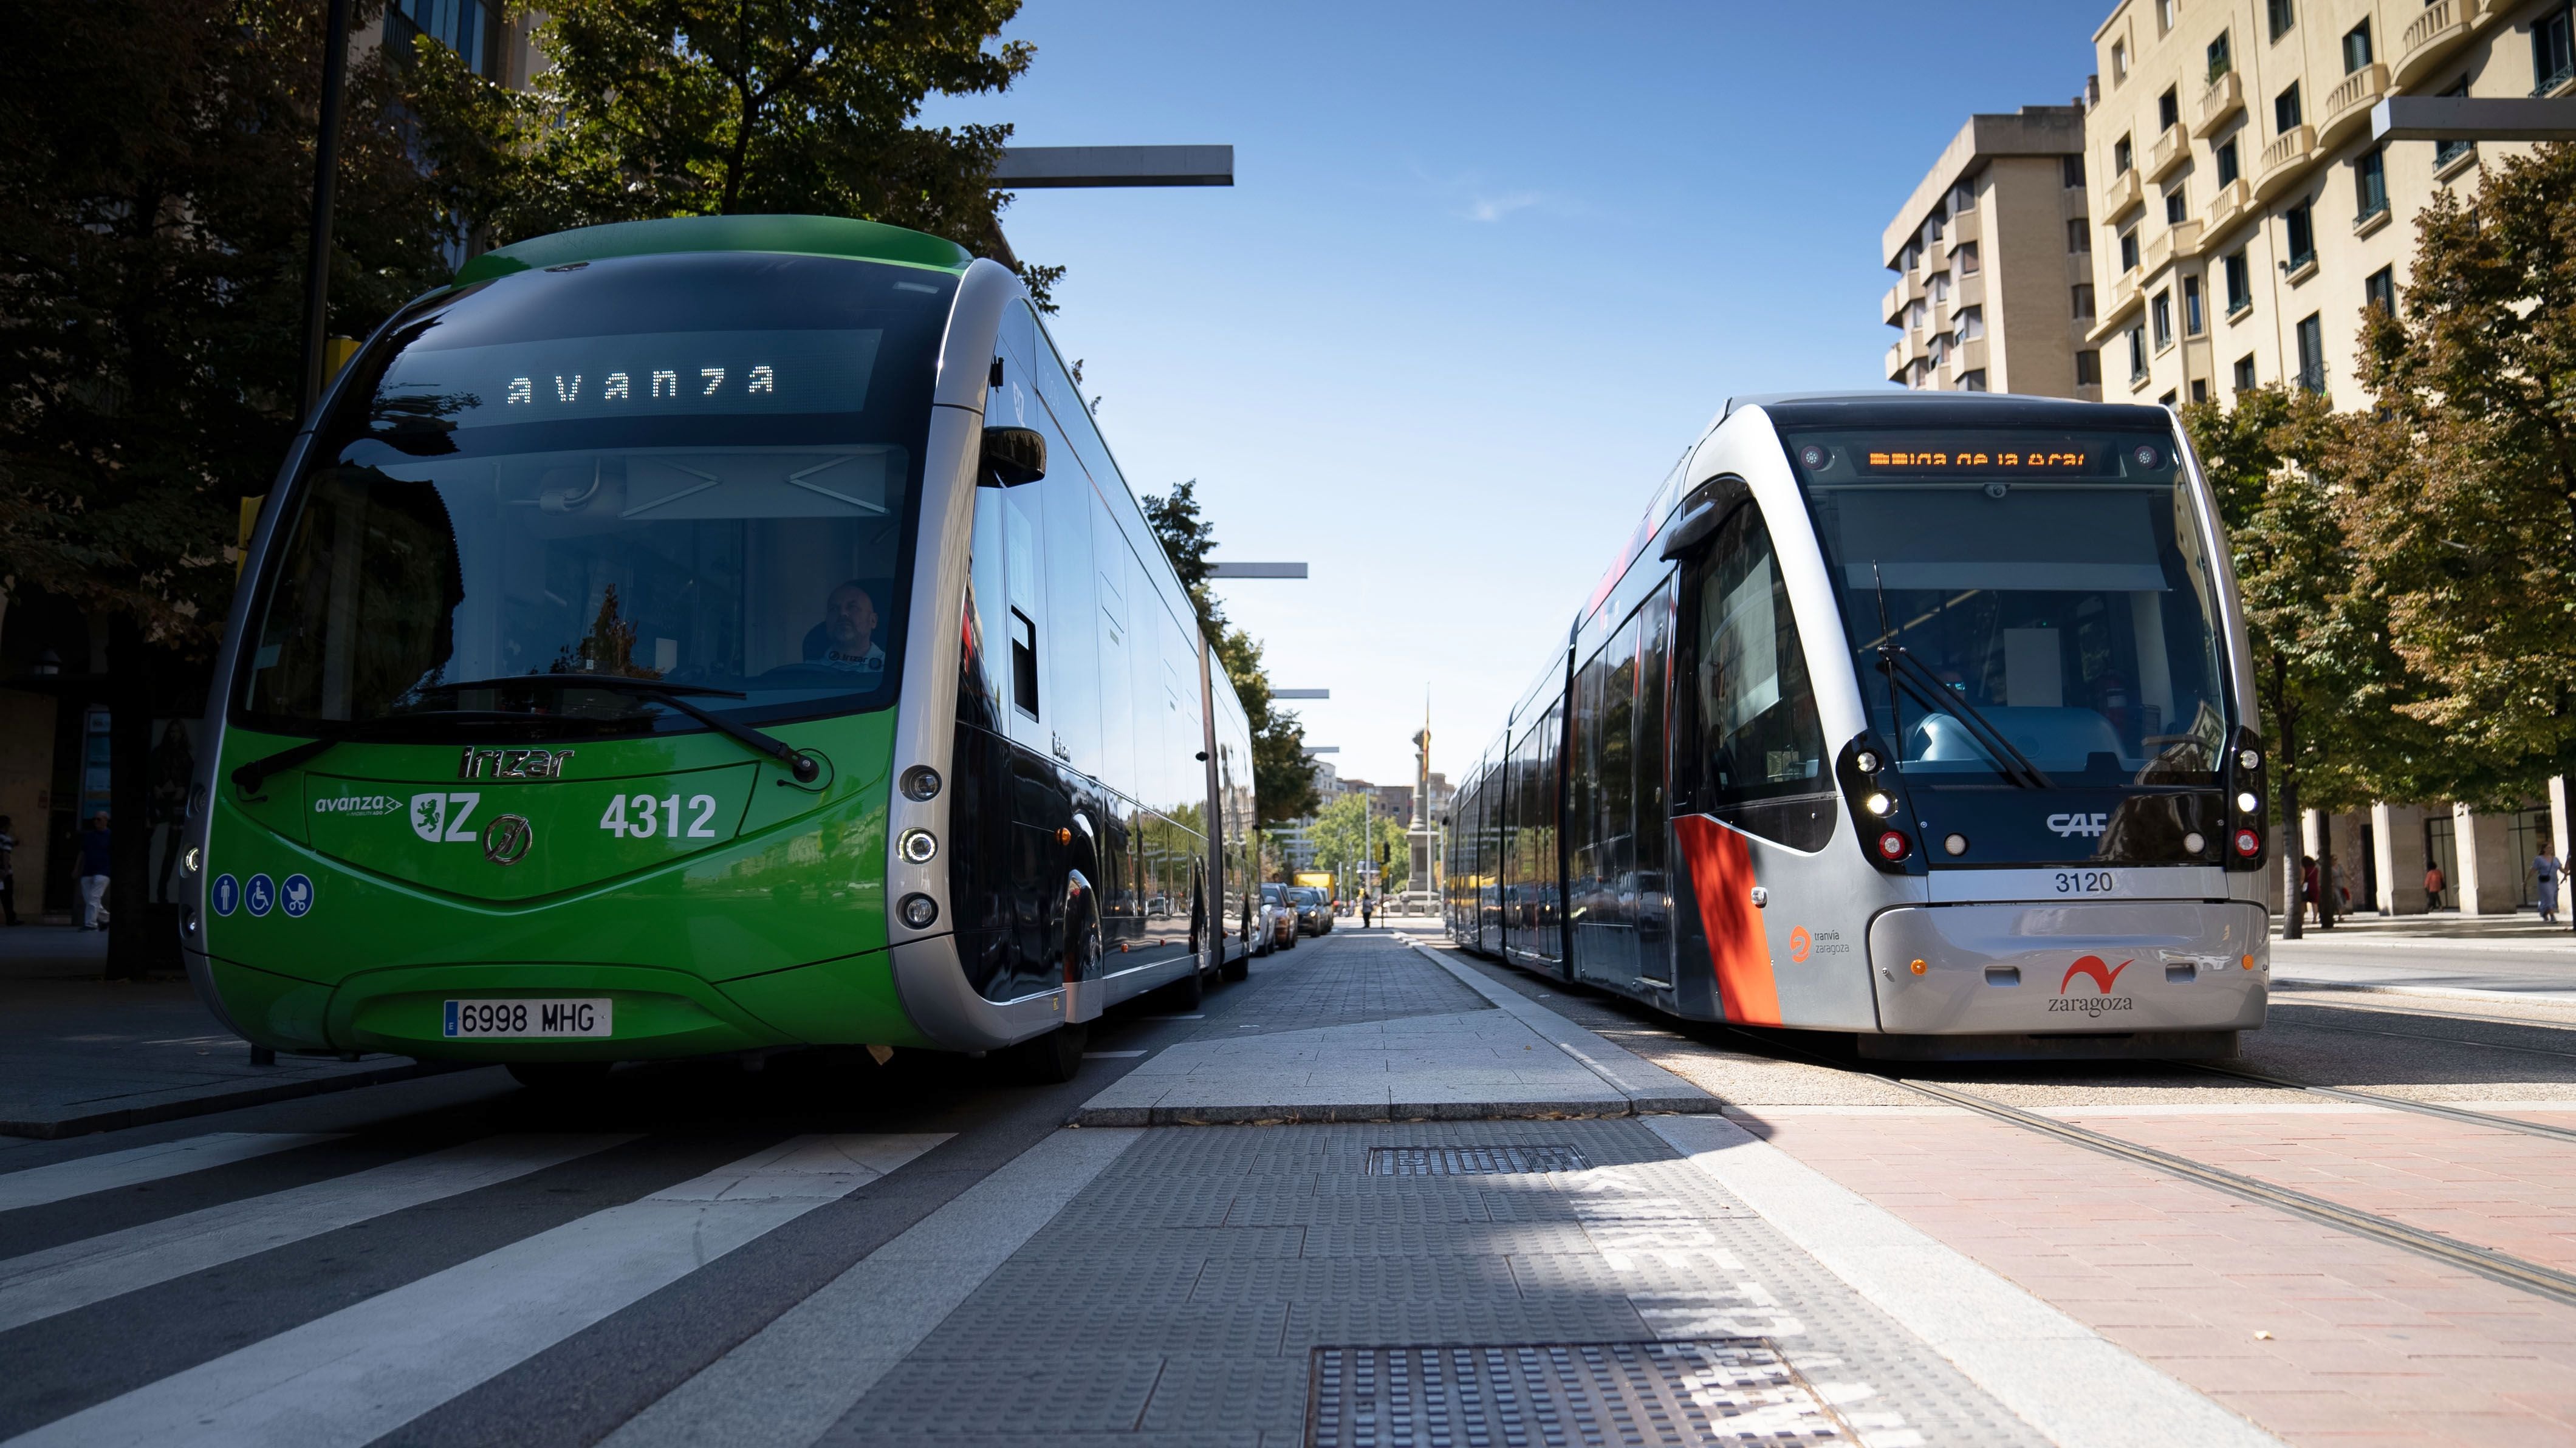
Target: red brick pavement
(2369, 1344)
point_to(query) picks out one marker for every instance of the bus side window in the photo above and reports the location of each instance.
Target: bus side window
(1762, 748)
(1020, 573)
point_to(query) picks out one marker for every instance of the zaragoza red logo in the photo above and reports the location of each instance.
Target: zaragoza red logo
(2103, 975)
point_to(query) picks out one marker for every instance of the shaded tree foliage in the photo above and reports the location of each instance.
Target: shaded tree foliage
(656, 108)
(1283, 781)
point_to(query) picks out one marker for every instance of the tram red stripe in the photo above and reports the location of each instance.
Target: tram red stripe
(1721, 869)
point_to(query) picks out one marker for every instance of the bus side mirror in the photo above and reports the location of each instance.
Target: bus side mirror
(1012, 456)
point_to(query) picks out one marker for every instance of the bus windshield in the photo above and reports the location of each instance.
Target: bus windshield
(2050, 590)
(693, 469)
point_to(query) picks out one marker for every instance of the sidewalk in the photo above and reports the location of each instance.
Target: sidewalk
(80, 1054)
(1374, 1030)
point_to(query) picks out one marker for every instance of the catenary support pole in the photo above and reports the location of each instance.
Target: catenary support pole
(326, 176)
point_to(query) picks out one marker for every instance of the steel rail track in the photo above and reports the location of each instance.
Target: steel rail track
(2394, 1103)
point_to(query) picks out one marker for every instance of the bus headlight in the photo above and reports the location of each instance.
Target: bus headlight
(921, 782)
(919, 911)
(191, 860)
(919, 847)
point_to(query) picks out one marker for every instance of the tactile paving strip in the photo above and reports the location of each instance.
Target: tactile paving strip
(1541, 1395)
(1472, 1160)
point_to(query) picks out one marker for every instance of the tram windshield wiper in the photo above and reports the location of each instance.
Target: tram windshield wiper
(803, 765)
(1918, 679)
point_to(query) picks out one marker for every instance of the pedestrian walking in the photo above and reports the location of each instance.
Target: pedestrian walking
(1367, 905)
(93, 873)
(2433, 883)
(8, 872)
(2546, 871)
(2310, 902)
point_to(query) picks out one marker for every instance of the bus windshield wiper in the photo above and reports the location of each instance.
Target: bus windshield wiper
(1931, 688)
(802, 765)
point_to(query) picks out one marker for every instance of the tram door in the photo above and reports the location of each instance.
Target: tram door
(1755, 805)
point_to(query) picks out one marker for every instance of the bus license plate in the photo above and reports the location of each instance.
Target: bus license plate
(535, 1020)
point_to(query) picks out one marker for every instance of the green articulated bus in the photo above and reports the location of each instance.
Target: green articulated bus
(711, 636)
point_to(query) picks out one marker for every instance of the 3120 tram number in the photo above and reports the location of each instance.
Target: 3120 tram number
(2085, 882)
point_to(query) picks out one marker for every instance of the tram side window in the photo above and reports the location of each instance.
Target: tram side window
(1764, 749)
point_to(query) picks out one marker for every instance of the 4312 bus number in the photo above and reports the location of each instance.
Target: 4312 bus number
(2085, 882)
(641, 816)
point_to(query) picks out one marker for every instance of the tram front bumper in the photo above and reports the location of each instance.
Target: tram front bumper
(2124, 967)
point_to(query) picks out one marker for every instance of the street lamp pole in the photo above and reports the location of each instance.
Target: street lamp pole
(326, 178)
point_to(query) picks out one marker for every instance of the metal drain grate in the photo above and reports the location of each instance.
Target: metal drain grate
(1471, 1160)
(1540, 1395)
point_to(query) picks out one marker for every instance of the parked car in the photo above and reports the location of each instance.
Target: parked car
(1314, 910)
(1278, 917)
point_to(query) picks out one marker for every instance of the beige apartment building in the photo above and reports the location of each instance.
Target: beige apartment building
(1993, 289)
(2245, 217)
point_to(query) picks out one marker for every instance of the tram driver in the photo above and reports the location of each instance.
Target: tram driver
(846, 638)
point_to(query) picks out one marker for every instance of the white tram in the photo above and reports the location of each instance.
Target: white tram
(1926, 718)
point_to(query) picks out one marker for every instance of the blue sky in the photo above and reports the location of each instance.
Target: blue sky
(1486, 269)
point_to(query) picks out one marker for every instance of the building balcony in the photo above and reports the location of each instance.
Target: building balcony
(2348, 105)
(1968, 291)
(2120, 195)
(2232, 204)
(1891, 307)
(2168, 153)
(2285, 160)
(1965, 227)
(1967, 357)
(1895, 368)
(2431, 37)
(2125, 300)
(2180, 242)
(2218, 105)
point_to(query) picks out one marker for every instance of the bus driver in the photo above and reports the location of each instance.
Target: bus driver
(846, 638)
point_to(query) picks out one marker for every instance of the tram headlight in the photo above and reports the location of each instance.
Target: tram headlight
(1893, 845)
(919, 847)
(2246, 801)
(2248, 759)
(1866, 762)
(919, 911)
(921, 782)
(1955, 844)
(2194, 843)
(1879, 804)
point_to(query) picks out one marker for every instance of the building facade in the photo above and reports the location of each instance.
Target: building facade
(1994, 290)
(2245, 218)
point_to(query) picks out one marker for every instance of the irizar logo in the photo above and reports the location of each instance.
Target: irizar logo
(440, 818)
(2070, 825)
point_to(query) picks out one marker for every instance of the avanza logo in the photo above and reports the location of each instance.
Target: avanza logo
(2103, 976)
(2070, 825)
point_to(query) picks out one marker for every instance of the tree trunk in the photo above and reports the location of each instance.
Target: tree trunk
(2287, 756)
(129, 760)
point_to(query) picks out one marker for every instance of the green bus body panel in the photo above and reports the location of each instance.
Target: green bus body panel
(769, 929)
(799, 235)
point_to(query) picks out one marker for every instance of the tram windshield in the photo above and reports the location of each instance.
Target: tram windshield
(695, 470)
(2049, 589)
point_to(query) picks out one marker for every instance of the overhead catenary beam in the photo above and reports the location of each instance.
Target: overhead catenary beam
(1039, 168)
(1314, 749)
(1301, 693)
(1256, 570)
(2472, 118)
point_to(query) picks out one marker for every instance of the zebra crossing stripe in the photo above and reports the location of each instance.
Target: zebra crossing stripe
(361, 1372)
(76, 1274)
(39, 1185)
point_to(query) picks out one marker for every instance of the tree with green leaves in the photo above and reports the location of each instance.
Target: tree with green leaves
(656, 108)
(1349, 833)
(1283, 780)
(155, 189)
(2467, 527)
(2281, 463)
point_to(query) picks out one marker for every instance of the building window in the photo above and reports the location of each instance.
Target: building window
(2168, 111)
(470, 28)
(2299, 236)
(2137, 353)
(1963, 197)
(2168, 400)
(2356, 47)
(2369, 184)
(2160, 312)
(2285, 110)
(2073, 167)
(2175, 212)
(2446, 152)
(2119, 61)
(2191, 321)
(2245, 373)
(1970, 326)
(1913, 257)
(2200, 389)
(1966, 258)
(1940, 289)
(1973, 381)
(2282, 16)
(1915, 314)
(2121, 156)
(1932, 228)
(2079, 235)
(2083, 301)
(2240, 282)
(2220, 62)
(2225, 153)
(2553, 50)
(2129, 249)
(2312, 353)
(2164, 16)
(2088, 368)
(2380, 290)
